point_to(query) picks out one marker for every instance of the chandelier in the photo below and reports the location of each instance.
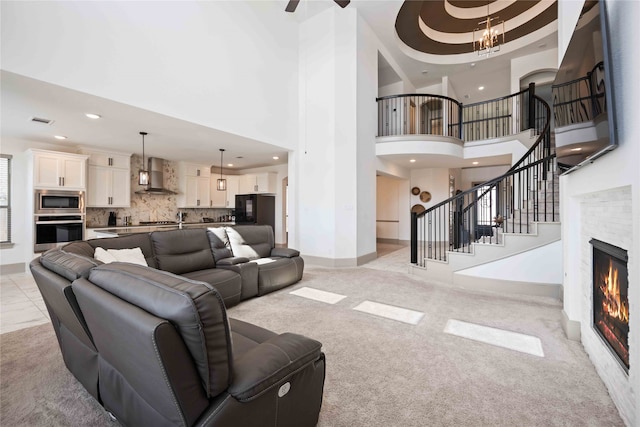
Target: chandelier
(488, 40)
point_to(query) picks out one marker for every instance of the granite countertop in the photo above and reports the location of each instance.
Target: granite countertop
(131, 229)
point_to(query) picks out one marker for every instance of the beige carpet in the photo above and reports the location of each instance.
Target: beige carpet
(380, 372)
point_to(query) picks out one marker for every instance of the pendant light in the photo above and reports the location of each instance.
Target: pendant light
(143, 174)
(222, 183)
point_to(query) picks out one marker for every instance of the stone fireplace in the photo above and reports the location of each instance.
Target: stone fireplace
(610, 298)
(599, 217)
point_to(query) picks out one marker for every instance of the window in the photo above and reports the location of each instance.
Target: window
(5, 198)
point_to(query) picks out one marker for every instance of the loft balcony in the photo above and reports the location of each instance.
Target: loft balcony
(451, 133)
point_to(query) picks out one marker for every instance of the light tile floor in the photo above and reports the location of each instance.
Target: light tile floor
(21, 305)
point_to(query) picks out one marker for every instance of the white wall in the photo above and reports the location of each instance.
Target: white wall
(228, 65)
(481, 174)
(435, 89)
(396, 88)
(334, 165)
(524, 65)
(433, 180)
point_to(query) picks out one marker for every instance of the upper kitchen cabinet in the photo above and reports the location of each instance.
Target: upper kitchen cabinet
(109, 180)
(227, 198)
(55, 170)
(194, 184)
(265, 182)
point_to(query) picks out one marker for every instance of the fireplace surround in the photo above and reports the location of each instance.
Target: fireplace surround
(610, 298)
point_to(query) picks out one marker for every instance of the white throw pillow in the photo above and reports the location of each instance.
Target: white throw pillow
(132, 256)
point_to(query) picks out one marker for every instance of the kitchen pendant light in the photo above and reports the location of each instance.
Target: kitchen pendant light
(143, 174)
(222, 183)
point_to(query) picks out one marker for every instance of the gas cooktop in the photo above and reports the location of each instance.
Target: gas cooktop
(158, 222)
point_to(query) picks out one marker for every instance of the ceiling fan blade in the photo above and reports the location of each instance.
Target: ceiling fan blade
(291, 6)
(342, 3)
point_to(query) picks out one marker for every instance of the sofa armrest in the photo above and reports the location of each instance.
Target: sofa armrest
(232, 260)
(266, 365)
(285, 252)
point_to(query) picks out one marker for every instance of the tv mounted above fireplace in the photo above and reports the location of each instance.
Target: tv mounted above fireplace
(583, 107)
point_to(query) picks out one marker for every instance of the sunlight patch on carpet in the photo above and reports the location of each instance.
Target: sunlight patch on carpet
(318, 295)
(498, 337)
(390, 312)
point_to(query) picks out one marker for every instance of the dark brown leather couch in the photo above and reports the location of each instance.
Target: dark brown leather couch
(154, 344)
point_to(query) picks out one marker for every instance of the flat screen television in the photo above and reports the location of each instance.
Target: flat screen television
(583, 108)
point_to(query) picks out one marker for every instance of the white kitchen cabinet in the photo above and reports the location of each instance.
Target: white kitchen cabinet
(103, 158)
(108, 180)
(194, 186)
(265, 182)
(53, 170)
(233, 183)
(227, 198)
(108, 187)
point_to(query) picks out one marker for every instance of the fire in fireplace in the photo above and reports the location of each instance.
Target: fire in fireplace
(610, 302)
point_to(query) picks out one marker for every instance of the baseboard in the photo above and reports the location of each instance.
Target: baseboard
(12, 268)
(338, 262)
(571, 328)
(394, 241)
(507, 286)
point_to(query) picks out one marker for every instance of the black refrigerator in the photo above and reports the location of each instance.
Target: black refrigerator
(256, 209)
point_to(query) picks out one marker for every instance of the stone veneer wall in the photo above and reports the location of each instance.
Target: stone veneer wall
(607, 216)
(150, 207)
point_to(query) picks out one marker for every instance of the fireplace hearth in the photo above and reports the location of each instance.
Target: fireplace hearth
(610, 301)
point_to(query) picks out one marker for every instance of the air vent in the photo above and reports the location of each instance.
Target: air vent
(41, 120)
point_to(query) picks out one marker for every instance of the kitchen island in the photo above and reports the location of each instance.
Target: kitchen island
(115, 231)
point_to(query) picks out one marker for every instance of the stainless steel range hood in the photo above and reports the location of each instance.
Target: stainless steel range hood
(156, 178)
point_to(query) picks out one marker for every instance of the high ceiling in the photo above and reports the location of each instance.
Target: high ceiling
(172, 138)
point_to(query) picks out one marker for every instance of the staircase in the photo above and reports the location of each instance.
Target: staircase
(482, 238)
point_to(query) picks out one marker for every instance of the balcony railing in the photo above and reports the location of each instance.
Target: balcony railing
(421, 114)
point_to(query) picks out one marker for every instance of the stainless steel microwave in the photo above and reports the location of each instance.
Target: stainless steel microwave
(59, 202)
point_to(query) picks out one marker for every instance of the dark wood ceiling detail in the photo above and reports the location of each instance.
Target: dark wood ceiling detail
(436, 17)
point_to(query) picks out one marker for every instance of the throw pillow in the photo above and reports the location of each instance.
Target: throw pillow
(132, 256)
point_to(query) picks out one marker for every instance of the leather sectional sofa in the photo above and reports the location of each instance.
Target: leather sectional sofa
(153, 344)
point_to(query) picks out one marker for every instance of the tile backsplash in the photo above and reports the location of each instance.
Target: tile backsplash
(151, 207)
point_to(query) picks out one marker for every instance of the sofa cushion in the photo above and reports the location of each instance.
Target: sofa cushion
(137, 240)
(277, 273)
(182, 251)
(219, 242)
(68, 265)
(251, 241)
(228, 283)
(195, 308)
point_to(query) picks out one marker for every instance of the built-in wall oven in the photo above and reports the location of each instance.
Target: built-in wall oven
(59, 217)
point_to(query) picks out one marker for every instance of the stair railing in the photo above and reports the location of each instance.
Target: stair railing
(507, 204)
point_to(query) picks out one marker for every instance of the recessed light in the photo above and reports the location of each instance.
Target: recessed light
(229, 165)
(466, 96)
(412, 160)
(93, 116)
(474, 163)
(542, 45)
(425, 71)
(276, 158)
(60, 137)
(473, 64)
(480, 87)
